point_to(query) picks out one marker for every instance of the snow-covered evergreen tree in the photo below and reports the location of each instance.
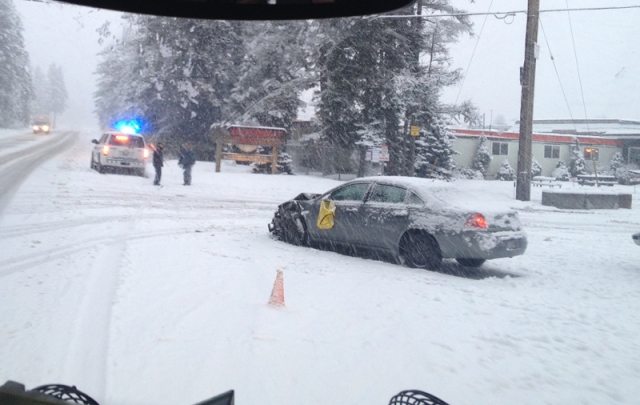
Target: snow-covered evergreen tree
(16, 90)
(377, 75)
(506, 172)
(40, 102)
(434, 152)
(561, 172)
(577, 164)
(482, 158)
(536, 169)
(56, 91)
(273, 73)
(177, 74)
(617, 161)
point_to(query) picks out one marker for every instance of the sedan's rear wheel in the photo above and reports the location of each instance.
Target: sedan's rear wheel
(471, 262)
(420, 250)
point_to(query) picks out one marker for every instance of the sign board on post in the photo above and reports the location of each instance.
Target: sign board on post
(384, 153)
(367, 156)
(415, 130)
(375, 155)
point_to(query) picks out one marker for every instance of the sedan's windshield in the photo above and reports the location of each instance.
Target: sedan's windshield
(441, 198)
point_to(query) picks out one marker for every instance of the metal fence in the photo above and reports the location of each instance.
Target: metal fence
(329, 161)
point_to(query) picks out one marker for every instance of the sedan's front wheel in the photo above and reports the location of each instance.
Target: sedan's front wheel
(421, 251)
(471, 262)
(295, 231)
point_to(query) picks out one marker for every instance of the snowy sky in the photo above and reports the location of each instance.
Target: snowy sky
(606, 48)
(66, 35)
(609, 61)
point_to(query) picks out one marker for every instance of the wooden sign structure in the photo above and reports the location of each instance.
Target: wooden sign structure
(248, 139)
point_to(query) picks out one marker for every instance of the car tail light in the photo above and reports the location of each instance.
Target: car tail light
(146, 153)
(477, 221)
(105, 150)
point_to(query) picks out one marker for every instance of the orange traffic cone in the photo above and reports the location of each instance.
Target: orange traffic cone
(277, 294)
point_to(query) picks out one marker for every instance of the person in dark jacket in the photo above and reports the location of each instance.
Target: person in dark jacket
(157, 162)
(186, 160)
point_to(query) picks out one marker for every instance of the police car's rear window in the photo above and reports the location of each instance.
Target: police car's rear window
(126, 140)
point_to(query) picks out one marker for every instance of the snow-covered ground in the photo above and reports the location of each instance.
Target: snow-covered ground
(145, 295)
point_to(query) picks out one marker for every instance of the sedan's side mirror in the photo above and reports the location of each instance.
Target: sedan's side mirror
(94, 141)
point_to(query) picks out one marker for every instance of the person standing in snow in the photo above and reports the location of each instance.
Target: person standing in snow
(157, 162)
(186, 161)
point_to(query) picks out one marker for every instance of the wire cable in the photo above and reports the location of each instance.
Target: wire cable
(557, 74)
(473, 53)
(503, 14)
(575, 54)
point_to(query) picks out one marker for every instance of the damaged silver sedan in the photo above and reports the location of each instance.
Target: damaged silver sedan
(419, 222)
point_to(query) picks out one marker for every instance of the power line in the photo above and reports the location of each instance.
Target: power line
(575, 54)
(504, 14)
(557, 73)
(473, 53)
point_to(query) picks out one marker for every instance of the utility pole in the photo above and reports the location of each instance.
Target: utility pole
(527, 80)
(411, 170)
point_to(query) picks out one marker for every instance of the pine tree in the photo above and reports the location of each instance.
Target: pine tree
(373, 80)
(536, 169)
(561, 172)
(434, 152)
(177, 74)
(482, 158)
(56, 90)
(40, 102)
(577, 164)
(272, 74)
(506, 172)
(16, 90)
(617, 161)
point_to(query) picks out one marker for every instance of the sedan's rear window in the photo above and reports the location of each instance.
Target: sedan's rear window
(413, 199)
(126, 140)
(352, 192)
(387, 194)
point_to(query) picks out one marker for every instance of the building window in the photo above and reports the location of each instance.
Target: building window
(500, 148)
(591, 153)
(551, 152)
(634, 155)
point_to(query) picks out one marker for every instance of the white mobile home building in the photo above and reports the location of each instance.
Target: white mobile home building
(554, 140)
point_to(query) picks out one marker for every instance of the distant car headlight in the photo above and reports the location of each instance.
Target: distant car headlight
(35, 128)
(45, 127)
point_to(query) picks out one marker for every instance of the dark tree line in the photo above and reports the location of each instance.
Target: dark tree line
(16, 91)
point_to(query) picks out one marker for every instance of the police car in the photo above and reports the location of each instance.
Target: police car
(117, 151)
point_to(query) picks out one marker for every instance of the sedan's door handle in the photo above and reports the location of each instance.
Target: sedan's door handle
(351, 209)
(399, 213)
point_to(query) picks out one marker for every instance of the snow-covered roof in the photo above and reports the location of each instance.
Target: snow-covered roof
(603, 127)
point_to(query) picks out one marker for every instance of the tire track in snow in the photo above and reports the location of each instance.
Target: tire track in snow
(25, 262)
(17, 166)
(88, 352)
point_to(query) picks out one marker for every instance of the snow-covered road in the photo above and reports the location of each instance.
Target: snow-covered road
(21, 153)
(145, 295)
